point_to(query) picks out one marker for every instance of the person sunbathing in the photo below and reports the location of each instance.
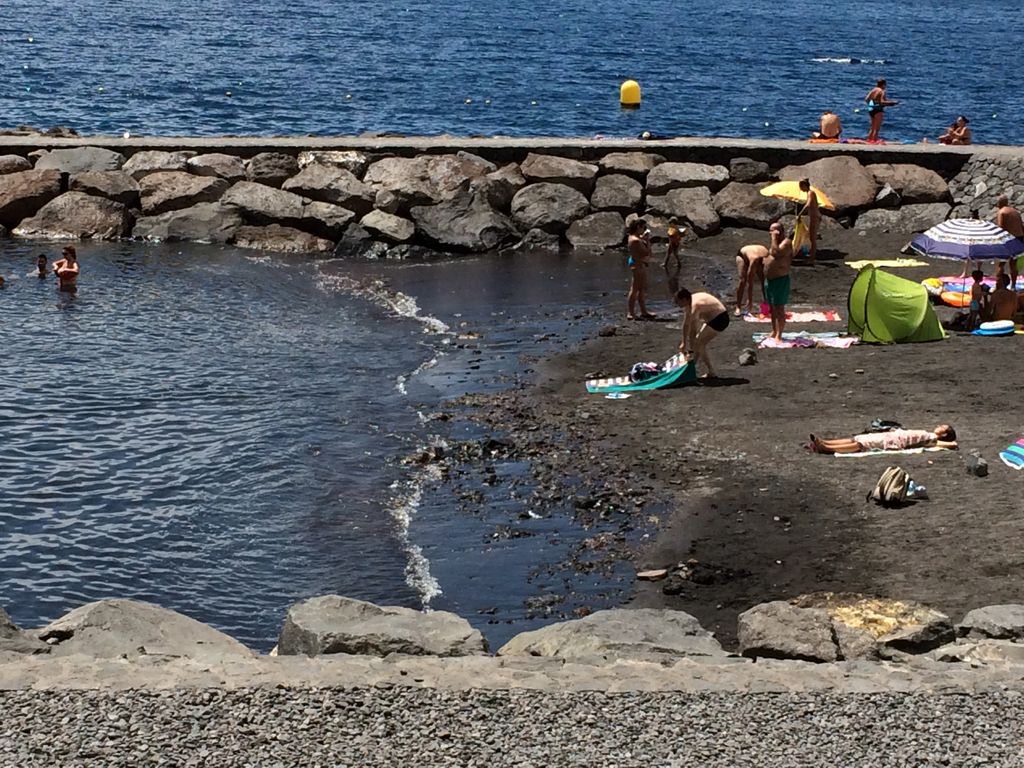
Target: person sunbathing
(943, 436)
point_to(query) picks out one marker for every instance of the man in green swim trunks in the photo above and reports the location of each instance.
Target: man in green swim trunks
(776, 277)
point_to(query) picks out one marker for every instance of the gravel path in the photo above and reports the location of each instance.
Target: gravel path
(399, 726)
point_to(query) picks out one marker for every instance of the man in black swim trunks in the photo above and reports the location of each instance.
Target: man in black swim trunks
(700, 308)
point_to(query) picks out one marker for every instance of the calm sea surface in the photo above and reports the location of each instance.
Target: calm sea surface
(708, 67)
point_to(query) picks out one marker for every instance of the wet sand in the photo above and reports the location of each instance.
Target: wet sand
(716, 472)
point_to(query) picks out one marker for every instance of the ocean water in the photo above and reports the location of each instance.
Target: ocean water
(222, 433)
(330, 67)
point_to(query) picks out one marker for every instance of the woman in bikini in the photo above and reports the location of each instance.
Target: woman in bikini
(639, 247)
(877, 102)
(943, 436)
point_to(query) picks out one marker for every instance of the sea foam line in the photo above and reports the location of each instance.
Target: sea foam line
(377, 291)
(408, 494)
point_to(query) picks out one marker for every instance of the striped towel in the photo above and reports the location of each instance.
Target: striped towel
(1013, 456)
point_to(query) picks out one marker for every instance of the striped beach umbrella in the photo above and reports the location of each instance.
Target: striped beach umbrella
(968, 240)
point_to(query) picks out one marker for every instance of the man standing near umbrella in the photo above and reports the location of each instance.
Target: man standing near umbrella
(776, 277)
(1009, 219)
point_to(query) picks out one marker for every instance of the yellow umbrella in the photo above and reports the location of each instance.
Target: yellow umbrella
(790, 190)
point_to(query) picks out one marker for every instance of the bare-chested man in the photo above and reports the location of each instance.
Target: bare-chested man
(700, 311)
(1003, 302)
(776, 277)
(829, 127)
(1009, 219)
(812, 210)
(749, 268)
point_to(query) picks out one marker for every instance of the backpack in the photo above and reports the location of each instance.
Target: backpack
(891, 488)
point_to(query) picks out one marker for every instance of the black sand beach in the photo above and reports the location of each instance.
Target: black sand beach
(718, 471)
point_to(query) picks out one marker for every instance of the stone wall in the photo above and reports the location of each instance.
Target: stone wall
(389, 201)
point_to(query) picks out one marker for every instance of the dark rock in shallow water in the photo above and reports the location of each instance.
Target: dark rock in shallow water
(464, 223)
(537, 240)
(203, 223)
(172, 190)
(129, 628)
(335, 624)
(25, 192)
(388, 226)
(551, 207)
(275, 237)
(76, 215)
(113, 185)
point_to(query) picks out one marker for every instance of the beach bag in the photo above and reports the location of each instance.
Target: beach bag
(643, 371)
(891, 488)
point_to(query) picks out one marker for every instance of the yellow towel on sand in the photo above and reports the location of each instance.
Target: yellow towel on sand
(887, 263)
(801, 236)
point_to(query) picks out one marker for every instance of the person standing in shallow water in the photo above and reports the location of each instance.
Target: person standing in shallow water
(877, 102)
(42, 264)
(66, 269)
(639, 247)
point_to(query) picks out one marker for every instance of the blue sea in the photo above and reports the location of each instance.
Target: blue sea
(519, 68)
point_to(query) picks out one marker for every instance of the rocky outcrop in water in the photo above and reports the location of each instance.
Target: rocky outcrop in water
(373, 204)
(78, 216)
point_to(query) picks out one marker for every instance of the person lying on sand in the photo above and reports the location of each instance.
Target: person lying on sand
(749, 269)
(704, 310)
(943, 436)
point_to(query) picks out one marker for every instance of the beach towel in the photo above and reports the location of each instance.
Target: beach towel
(906, 451)
(812, 316)
(801, 235)
(806, 340)
(676, 371)
(891, 263)
(1013, 456)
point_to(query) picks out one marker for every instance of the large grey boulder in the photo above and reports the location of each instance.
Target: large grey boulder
(218, 164)
(201, 223)
(464, 223)
(982, 652)
(425, 179)
(559, 170)
(748, 170)
(129, 628)
(25, 192)
(14, 640)
(597, 232)
(172, 190)
(153, 161)
(14, 164)
(669, 176)
(912, 182)
(78, 216)
(644, 634)
(694, 205)
(80, 159)
(271, 168)
(388, 226)
(499, 187)
(780, 630)
(634, 164)
(1000, 622)
(330, 184)
(617, 192)
(349, 160)
(848, 184)
(744, 205)
(551, 207)
(113, 185)
(335, 624)
(279, 239)
(907, 219)
(263, 205)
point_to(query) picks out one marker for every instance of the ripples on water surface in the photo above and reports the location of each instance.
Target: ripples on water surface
(196, 429)
(708, 67)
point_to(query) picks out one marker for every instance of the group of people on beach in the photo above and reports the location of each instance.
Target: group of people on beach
(705, 316)
(830, 128)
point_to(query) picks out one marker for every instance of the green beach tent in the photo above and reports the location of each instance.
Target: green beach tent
(885, 308)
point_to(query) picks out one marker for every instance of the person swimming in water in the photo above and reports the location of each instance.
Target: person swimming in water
(877, 101)
(42, 264)
(66, 270)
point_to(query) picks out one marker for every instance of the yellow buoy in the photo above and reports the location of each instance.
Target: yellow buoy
(629, 94)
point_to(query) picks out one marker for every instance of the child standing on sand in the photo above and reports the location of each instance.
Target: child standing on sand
(675, 238)
(977, 298)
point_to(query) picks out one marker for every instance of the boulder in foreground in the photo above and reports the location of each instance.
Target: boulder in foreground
(129, 628)
(1000, 622)
(202, 223)
(14, 640)
(335, 624)
(642, 634)
(78, 216)
(25, 192)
